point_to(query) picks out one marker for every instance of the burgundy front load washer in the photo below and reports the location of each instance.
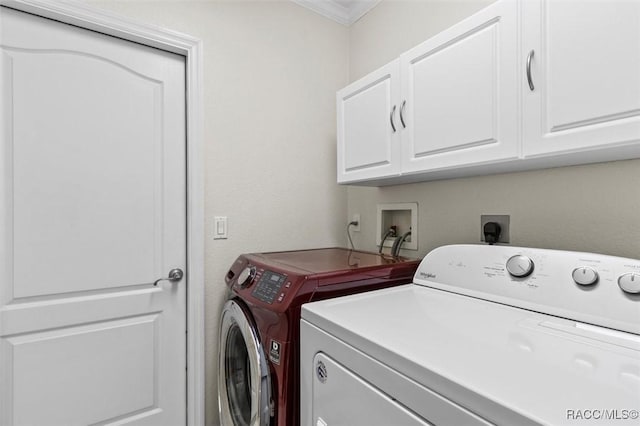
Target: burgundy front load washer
(260, 324)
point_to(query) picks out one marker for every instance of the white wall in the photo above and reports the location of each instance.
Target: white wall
(271, 73)
(586, 208)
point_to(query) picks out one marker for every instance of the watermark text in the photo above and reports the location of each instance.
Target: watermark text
(602, 414)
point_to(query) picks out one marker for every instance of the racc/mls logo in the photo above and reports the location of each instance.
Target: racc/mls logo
(427, 275)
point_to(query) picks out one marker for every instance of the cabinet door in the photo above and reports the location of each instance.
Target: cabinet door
(585, 72)
(368, 145)
(460, 89)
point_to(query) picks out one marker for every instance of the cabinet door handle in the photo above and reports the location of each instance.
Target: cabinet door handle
(404, 126)
(529, 79)
(393, 125)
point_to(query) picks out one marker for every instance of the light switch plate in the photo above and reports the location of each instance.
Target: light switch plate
(220, 228)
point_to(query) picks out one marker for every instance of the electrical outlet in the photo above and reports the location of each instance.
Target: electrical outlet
(356, 218)
(502, 220)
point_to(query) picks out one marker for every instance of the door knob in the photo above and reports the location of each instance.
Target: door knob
(174, 275)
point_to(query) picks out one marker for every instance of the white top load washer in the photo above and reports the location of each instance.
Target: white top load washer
(484, 335)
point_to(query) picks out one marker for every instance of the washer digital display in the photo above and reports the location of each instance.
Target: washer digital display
(269, 286)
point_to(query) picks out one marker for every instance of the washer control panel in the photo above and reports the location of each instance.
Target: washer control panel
(592, 288)
(269, 287)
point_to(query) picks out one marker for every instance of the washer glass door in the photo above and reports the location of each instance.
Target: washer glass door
(243, 381)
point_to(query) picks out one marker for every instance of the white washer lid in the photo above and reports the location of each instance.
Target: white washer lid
(481, 354)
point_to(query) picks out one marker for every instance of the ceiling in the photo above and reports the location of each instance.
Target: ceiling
(345, 12)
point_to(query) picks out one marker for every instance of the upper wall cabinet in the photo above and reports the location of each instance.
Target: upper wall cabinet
(368, 125)
(460, 94)
(522, 84)
(583, 68)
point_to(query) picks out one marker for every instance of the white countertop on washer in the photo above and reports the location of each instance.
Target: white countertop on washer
(544, 368)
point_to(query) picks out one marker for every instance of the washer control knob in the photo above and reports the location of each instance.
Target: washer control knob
(246, 276)
(519, 266)
(585, 275)
(630, 283)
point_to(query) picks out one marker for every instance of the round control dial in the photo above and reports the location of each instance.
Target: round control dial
(630, 283)
(246, 276)
(519, 266)
(585, 275)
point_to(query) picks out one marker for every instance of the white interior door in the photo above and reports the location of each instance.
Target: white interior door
(92, 213)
